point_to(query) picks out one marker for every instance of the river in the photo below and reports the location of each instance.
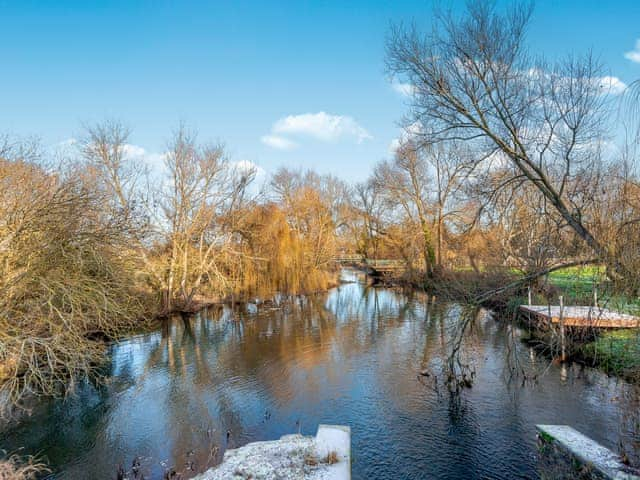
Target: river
(177, 397)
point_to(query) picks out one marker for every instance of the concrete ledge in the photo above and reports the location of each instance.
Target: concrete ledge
(327, 456)
(335, 438)
(581, 454)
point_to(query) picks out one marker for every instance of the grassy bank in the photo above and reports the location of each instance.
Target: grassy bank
(578, 284)
(617, 351)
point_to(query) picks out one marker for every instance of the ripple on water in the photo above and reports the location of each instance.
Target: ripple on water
(350, 357)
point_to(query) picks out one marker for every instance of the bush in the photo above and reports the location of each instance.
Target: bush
(66, 280)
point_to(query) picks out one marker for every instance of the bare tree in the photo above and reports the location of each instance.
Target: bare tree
(473, 81)
(451, 164)
(202, 191)
(406, 182)
(106, 149)
(67, 276)
(367, 223)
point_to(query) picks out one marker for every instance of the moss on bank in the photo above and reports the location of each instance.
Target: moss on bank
(617, 352)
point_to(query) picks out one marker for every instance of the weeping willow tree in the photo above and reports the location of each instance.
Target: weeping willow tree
(276, 257)
(67, 279)
(288, 243)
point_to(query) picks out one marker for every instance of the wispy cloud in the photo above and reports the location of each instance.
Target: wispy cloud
(404, 89)
(408, 133)
(634, 55)
(275, 141)
(609, 85)
(321, 126)
(153, 160)
(66, 143)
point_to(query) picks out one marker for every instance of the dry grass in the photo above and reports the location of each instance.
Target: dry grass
(15, 467)
(331, 458)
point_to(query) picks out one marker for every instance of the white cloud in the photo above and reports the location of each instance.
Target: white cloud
(281, 143)
(634, 55)
(404, 89)
(245, 166)
(322, 126)
(612, 85)
(153, 160)
(408, 133)
(134, 150)
(66, 143)
(63, 149)
(259, 178)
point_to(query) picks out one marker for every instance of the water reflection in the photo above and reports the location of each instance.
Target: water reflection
(351, 356)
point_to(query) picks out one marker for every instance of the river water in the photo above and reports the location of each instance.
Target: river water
(176, 398)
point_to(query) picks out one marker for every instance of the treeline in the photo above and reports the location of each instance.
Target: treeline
(442, 207)
(94, 244)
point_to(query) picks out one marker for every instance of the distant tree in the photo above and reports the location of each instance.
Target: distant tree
(406, 182)
(105, 147)
(367, 224)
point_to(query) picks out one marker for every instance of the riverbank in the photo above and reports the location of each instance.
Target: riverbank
(614, 351)
(617, 352)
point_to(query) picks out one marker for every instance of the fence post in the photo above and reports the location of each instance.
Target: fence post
(563, 355)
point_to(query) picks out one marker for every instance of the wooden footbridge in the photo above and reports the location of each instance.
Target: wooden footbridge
(373, 267)
(561, 317)
(581, 316)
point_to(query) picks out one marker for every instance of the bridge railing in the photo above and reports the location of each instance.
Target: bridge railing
(382, 265)
(349, 258)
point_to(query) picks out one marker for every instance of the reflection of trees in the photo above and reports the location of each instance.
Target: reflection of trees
(191, 404)
(227, 369)
(223, 370)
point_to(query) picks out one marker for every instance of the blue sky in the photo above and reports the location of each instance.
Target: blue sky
(256, 75)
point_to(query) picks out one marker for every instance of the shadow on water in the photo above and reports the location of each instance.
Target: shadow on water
(176, 398)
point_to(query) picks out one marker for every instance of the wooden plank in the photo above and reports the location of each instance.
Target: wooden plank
(583, 316)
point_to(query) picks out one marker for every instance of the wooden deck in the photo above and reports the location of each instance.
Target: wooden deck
(583, 316)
